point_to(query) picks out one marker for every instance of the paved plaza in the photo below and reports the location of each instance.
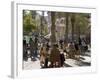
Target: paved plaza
(85, 60)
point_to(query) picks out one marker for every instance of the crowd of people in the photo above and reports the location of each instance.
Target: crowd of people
(54, 55)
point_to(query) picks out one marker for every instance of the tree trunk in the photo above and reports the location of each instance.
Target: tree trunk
(42, 25)
(53, 37)
(66, 30)
(78, 32)
(73, 25)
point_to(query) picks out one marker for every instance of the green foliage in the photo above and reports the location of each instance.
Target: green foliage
(82, 22)
(29, 24)
(46, 30)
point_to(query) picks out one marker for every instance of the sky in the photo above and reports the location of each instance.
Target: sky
(40, 12)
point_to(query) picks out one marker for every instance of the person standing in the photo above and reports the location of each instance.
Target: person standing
(71, 50)
(80, 45)
(62, 58)
(36, 47)
(31, 43)
(46, 57)
(83, 46)
(25, 57)
(61, 44)
(77, 51)
(42, 57)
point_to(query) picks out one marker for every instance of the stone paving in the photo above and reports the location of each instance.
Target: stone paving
(85, 60)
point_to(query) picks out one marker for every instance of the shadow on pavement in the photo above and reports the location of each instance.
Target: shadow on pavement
(67, 65)
(84, 63)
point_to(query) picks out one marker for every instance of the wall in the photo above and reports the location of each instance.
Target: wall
(5, 40)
